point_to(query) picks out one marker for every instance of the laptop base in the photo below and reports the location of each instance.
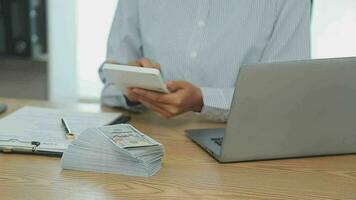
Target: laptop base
(208, 139)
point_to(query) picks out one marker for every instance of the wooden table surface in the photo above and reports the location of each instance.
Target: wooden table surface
(187, 172)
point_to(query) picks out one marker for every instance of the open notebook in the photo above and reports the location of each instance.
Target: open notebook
(40, 131)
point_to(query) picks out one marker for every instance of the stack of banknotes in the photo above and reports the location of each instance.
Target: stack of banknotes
(119, 149)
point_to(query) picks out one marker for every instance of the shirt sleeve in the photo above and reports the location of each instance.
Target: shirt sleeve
(290, 40)
(124, 45)
(217, 103)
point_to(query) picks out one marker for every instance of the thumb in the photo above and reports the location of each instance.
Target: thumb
(173, 86)
(134, 63)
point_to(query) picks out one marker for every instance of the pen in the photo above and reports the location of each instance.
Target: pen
(69, 133)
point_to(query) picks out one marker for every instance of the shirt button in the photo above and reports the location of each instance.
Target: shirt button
(194, 54)
(201, 23)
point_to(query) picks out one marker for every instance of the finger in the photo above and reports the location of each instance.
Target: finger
(154, 96)
(130, 90)
(173, 86)
(157, 66)
(155, 108)
(145, 62)
(131, 97)
(136, 63)
(143, 98)
(172, 110)
(172, 99)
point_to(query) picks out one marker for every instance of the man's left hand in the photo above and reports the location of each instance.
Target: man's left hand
(184, 97)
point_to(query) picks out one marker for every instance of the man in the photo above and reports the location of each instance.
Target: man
(199, 46)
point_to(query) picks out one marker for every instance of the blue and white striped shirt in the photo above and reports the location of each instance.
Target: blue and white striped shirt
(205, 41)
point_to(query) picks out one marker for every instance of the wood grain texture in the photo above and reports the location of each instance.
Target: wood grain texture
(187, 173)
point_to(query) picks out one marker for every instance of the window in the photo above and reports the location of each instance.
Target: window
(334, 28)
(94, 22)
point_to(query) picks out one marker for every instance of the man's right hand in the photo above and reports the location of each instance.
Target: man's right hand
(144, 62)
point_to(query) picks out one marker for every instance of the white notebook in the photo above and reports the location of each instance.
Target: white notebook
(40, 131)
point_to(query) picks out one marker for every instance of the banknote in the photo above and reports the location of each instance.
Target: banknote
(126, 136)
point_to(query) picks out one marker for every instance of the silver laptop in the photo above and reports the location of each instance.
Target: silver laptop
(288, 109)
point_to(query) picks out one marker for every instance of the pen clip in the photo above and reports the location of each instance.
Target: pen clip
(35, 145)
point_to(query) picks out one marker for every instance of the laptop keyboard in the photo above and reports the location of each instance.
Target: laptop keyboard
(218, 140)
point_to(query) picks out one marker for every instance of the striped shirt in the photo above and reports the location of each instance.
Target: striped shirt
(205, 42)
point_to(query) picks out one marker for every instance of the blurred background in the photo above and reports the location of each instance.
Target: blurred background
(52, 49)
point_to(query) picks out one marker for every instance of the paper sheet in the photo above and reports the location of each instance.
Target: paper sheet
(44, 125)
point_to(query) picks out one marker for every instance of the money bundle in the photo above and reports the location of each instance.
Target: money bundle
(119, 149)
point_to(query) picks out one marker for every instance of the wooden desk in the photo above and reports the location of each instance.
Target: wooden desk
(187, 173)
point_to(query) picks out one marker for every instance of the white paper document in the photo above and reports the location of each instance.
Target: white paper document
(44, 125)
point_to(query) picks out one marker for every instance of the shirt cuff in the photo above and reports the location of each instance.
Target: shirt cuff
(215, 107)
